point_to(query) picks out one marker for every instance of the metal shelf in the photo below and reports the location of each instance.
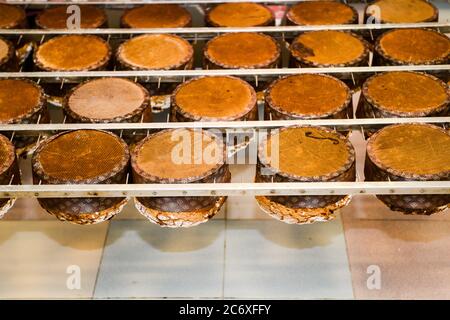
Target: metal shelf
(158, 75)
(210, 31)
(224, 189)
(339, 124)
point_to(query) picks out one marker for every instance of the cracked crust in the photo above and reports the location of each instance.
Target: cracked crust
(102, 86)
(330, 48)
(242, 51)
(172, 53)
(207, 91)
(406, 94)
(244, 14)
(290, 96)
(321, 13)
(413, 47)
(70, 53)
(411, 138)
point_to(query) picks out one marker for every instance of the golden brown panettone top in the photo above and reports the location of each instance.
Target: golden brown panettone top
(215, 97)
(4, 50)
(306, 152)
(328, 47)
(414, 45)
(73, 53)
(161, 155)
(405, 11)
(411, 149)
(244, 14)
(106, 98)
(155, 51)
(7, 154)
(11, 16)
(321, 13)
(18, 98)
(406, 92)
(82, 154)
(56, 17)
(156, 16)
(242, 50)
(308, 95)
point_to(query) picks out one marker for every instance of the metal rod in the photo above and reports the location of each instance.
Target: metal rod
(197, 31)
(222, 189)
(338, 123)
(221, 72)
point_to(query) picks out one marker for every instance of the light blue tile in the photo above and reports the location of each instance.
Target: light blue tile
(270, 259)
(144, 260)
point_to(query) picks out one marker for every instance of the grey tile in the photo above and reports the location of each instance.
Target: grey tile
(270, 259)
(36, 256)
(145, 260)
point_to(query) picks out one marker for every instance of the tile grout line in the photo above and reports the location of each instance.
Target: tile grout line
(101, 260)
(224, 251)
(348, 257)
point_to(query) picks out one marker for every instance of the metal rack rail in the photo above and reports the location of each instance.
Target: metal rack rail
(209, 31)
(177, 75)
(339, 124)
(224, 189)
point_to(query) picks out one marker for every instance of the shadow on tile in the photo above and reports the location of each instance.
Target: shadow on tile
(419, 231)
(64, 233)
(270, 259)
(283, 234)
(145, 260)
(166, 239)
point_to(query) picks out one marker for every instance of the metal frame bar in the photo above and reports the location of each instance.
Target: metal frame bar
(220, 72)
(444, 26)
(263, 124)
(225, 189)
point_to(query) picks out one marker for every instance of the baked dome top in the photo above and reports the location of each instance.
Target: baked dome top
(406, 92)
(405, 11)
(308, 95)
(328, 47)
(56, 17)
(107, 98)
(81, 155)
(11, 16)
(244, 14)
(321, 13)
(215, 98)
(155, 51)
(5, 51)
(307, 152)
(179, 155)
(18, 99)
(415, 46)
(73, 53)
(411, 150)
(7, 154)
(156, 16)
(242, 50)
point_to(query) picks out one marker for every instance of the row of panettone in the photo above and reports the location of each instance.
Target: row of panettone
(327, 48)
(224, 15)
(226, 98)
(408, 152)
